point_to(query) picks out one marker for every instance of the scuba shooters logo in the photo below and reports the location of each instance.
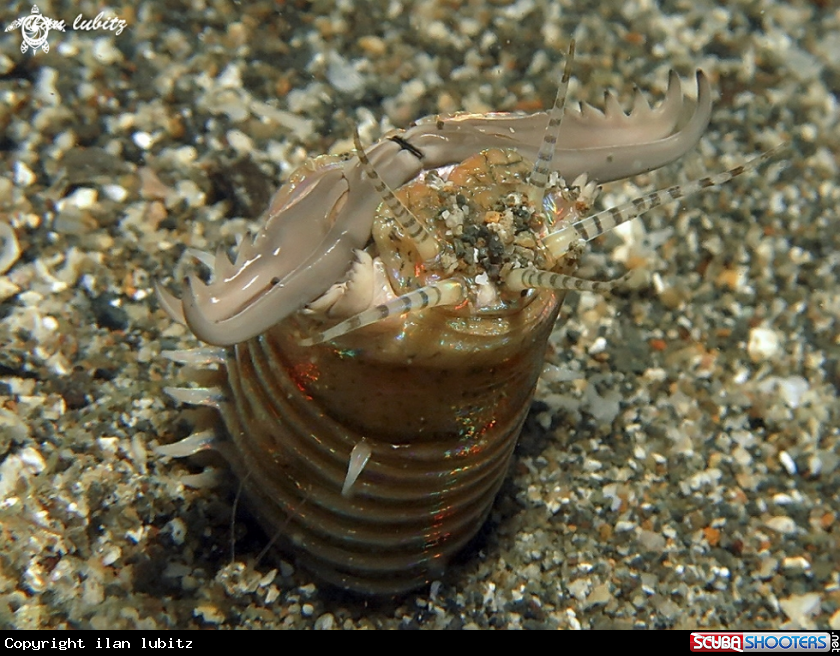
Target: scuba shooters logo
(761, 641)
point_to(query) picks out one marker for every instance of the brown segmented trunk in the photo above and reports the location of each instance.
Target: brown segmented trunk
(440, 398)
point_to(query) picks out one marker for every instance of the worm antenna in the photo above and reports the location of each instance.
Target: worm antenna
(197, 357)
(542, 167)
(423, 241)
(446, 292)
(587, 229)
(210, 396)
(189, 445)
(521, 279)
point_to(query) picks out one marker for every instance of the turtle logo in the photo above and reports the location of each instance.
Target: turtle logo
(34, 29)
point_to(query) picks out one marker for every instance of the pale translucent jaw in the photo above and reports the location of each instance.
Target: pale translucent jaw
(315, 224)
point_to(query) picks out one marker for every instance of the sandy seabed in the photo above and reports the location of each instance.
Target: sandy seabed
(679, 468)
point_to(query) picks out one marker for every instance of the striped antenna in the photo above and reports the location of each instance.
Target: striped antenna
(542, 167)
(445, 292)
(589, 228)
(528, 278)
(425, 244)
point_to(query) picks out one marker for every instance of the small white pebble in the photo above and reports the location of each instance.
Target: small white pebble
(105, 51)
(115, 192)
(45, 90)
(325, 622)
(787, 462)
(343, 75)
(7, 287)
(268, 578)
(763, 344)
(10, 250)
(23, 174)
(110, 555)
(597, 346)
(741, 376)
(796, 562)
(781, 524)
(240, 141)
(177, 529)
(801, 608)
(32, 460)
(722, 572)
(230, 78)
(580, 588)
(808, 132)
(574, 622)
(83, 198)
(142, 140)
(790, 388)
(190, 192)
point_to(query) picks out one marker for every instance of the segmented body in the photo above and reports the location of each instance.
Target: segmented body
(373, 406)
(437, 398)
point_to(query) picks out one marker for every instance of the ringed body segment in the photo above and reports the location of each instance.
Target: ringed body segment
(382, 335)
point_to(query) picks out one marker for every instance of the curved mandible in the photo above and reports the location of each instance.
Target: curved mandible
(306, 245)
(326, 210)
(607, 145)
